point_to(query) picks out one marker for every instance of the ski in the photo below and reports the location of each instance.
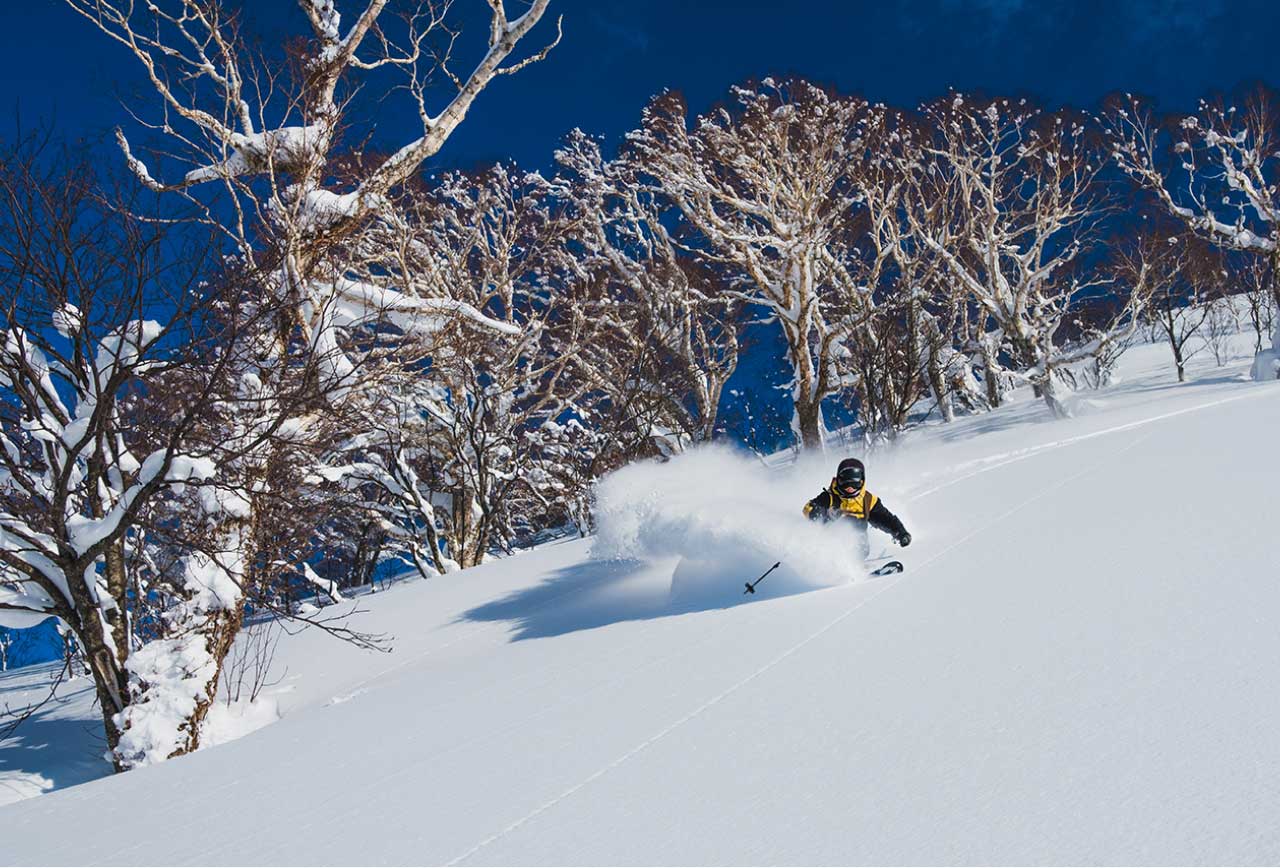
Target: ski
(888, 569)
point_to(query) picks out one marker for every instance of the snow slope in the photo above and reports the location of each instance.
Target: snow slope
(1077, 667)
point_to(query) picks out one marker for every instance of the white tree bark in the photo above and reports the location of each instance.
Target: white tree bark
(1220, 177)
(767, 190)
(1018, 187)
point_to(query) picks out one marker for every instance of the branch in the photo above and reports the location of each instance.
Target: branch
(397, 168)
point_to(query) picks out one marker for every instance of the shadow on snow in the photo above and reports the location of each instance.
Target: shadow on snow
(598, 593)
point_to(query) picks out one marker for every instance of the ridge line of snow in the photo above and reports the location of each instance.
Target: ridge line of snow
(1003, 459)
(715, 700)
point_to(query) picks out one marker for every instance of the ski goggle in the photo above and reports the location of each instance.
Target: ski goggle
(851, 479)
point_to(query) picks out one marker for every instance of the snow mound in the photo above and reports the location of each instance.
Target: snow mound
(728, 518)
(227, 722)
(1266, 366)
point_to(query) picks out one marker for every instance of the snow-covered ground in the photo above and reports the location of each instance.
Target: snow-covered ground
(1078, 666)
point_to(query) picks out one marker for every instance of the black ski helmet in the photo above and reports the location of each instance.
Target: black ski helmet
(851, 476)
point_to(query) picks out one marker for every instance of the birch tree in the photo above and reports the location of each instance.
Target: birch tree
(675, 312)
(453, 439)
(1256, 281)
(115, 346)
(904, 348)
(1168, 270)
(1024, 205)
(1218, 171)
(764, 186)
(255, 144)
(274, 142)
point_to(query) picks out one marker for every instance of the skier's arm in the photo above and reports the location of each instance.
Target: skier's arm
(816, 509)
(886, 521)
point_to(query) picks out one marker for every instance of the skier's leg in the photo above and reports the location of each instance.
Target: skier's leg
(862, 545)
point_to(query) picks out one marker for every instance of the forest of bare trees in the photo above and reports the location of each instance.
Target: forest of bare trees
(255, 358)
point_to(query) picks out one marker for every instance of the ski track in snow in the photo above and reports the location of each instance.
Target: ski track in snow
(307, 819)
(994, 462)
(358, 689)
(893, 582)
(545, 710)
(312, 816)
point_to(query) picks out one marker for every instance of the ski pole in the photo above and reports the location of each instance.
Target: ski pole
(751, 586)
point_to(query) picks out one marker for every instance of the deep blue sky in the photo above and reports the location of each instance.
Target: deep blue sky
(616, 54)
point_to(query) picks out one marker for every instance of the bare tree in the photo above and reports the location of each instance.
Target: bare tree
(1220, 176)
(502, 395)
(1221, 320)
(903, 350)
(451, 440)
(1172, 272)
(256, 145)
(1257, 282)
(677, 311)
(1023, 206)
(765, 187)
(1098, 371)
(99, 309)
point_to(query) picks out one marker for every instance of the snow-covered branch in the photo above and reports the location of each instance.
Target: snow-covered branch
(1219, 173)
(766, 189)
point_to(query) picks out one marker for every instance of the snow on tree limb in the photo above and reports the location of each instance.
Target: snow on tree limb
(765, 189)
(503, 37)
(1221, 177)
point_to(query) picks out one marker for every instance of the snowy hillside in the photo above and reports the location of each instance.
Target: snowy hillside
(1078, 666)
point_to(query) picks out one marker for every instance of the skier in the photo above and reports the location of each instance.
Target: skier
(848, 498)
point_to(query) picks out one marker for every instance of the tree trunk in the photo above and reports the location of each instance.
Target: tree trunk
(106, 663)
(1046, 390)
(202, 628)
(710, 411)
(111, 684)
(937, 380)
(372, 557)
(990, 371)
(806, 420)
(990, 379)
(117, 581)
(463, 533)
(1275, 292)
(807, 423)
(221, 631)
(1271, 358)
(220, 626)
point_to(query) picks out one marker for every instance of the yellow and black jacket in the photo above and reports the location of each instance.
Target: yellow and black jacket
(862, 509)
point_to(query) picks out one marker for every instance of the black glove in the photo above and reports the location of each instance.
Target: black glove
(818, 513)
(903, 539)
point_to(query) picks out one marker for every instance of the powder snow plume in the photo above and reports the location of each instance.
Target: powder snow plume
(727, 518)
